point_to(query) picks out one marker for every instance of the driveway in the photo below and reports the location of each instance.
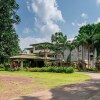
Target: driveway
(88, 90)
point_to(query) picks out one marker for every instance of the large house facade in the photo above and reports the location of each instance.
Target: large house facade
(77, 54)
(82, 53)
(43, 53)
(37, 55)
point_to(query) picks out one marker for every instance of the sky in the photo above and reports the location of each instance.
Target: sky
(42, 18)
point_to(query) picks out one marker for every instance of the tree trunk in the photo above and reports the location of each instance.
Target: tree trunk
(45, 57)
(63, 59)
(98, 52)
(56, 59)
(70, 55)
(78, 53)
(82, 53)
(21, 66)
(88, 56)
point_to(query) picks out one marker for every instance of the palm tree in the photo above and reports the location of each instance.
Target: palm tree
(86, 35)
(63, 44)
(60, 43)
(45, 46)
(96, 38)
(79, 41)
(70, 46)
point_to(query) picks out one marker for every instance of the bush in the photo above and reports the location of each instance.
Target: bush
(53, 69)
(6, 67)
(97, 65)
(2, 67)
(70, 70)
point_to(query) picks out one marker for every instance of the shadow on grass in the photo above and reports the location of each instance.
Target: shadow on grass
(78, 91)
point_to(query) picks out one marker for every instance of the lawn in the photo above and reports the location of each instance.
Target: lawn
(49, 80)
(22, 83)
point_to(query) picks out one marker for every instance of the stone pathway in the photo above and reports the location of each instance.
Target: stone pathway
(89, 90)
(93, 75)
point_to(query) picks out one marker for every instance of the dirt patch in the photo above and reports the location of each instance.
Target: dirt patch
(12, 86)
(15, 79)
(88, 90)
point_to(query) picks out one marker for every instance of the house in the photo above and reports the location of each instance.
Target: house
(38, 56)
(77, 54)
(42, 50)
(25, 60)
(82, 53)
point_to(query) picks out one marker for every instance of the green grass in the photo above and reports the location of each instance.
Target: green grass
(49, 80)
(40, 82)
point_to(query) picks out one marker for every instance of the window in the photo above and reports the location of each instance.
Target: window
(31, 51)
(91, 57)
(38, 48)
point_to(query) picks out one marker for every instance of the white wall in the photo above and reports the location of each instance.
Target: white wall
(74, 55)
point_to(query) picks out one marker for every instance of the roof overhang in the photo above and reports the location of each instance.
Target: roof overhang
(24, 56)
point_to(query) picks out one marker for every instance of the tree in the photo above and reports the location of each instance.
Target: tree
(86, 34)
(71, 46)
(63, 43)
(60, 43)
(8, 37)
(96, 39)
(80, 40)
(97, 43)
(45, 46)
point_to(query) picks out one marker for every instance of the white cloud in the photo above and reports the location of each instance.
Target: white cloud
(27, 30)
(47, 15)
(81, 24)
(71, 39)
(25, 42)
(83, 15)
(98, 2)
(73, 23)
(28, 5)
(98, 20)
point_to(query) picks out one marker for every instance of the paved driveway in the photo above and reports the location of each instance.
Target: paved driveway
(89, 90)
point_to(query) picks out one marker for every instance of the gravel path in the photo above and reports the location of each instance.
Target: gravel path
(89, 90)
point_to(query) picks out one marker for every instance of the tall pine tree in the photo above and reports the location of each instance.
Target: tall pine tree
(9, 42)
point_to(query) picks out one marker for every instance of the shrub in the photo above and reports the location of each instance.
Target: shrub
(92, 70)
(97, 65)
(2, 67)
(53, 69)
(70, 70)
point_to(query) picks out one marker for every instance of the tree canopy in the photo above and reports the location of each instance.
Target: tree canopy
(89, 37)
(8, 38)
(59, 42)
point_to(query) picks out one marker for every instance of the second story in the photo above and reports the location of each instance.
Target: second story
(40, 48)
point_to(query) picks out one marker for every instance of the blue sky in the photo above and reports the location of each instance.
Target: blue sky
(42, 18)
